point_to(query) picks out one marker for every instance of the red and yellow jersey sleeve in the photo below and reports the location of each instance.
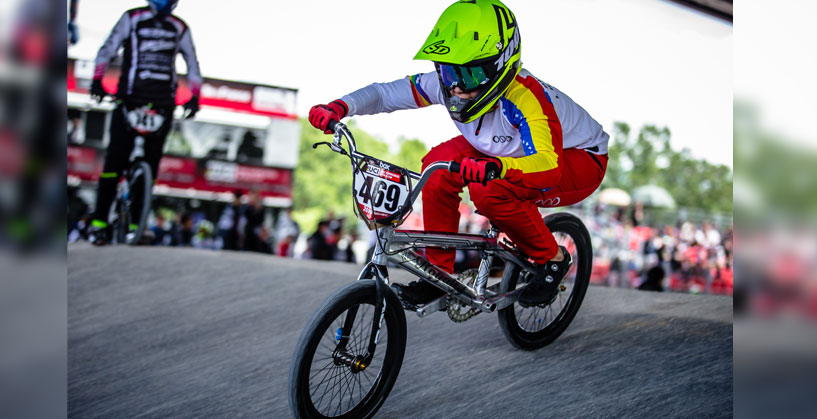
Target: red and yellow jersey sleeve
(527, 106)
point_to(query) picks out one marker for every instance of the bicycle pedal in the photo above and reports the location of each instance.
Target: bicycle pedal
(408, 306)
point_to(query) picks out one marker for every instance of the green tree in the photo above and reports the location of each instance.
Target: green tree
(323, 178)
(649, 159)
(411, 154)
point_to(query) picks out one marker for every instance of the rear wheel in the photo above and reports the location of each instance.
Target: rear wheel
(325, 378)
(534, 327)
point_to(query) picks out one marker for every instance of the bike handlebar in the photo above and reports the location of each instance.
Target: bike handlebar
(331, 125)
(340, 131)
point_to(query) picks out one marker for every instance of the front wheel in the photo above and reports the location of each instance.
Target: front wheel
(325, 379)
(534, 327)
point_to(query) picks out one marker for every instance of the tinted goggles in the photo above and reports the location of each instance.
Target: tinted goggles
(467, 78)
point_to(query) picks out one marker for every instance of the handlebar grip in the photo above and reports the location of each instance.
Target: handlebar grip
(331, 125)
(454, 167)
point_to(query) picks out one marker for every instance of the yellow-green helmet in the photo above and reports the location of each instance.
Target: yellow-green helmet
(475, 46)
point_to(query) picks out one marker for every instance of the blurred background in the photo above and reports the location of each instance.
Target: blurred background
(775, 302)
(672, 89)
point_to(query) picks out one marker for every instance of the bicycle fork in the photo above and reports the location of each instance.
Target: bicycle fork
(358, 363)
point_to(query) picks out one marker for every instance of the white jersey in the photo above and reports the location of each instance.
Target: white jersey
(509, 130)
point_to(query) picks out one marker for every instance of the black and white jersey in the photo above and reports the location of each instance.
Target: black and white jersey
(150, 43)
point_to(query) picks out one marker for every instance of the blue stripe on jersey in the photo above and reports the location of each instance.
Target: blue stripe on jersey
(547, 96)
(517, 119)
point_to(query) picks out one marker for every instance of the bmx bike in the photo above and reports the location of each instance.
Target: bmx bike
(340, 367)
(131, 206)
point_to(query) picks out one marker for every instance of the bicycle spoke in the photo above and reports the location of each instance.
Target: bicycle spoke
(312, 394)
(329, 365)
(335, 389)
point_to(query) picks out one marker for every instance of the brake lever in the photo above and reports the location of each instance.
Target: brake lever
(334, 147)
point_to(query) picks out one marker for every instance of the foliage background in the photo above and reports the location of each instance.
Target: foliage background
(323, 178)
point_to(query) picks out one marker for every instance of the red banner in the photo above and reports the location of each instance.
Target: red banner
(85, 163)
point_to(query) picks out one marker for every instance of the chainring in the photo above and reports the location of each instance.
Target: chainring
(456, 308)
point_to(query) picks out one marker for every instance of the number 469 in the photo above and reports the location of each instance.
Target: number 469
(388, 193)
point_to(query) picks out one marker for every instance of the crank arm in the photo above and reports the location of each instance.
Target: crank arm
(439, 304)
(506, 299)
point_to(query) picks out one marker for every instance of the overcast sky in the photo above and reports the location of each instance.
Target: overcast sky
(636, 61)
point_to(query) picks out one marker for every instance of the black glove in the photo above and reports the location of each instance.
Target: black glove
(97, 91)
(73, 33)
(191, 107)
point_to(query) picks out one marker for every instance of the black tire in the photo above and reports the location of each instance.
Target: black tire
(534, 327)
(350, 395)
(141, 182)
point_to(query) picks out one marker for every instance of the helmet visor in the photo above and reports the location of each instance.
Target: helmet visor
(467, 78)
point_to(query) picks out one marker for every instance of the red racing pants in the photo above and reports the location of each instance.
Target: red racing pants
(512, 208)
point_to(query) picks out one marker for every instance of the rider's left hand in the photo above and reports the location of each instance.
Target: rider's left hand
(480, 170)
(191, 107)
(97, 91)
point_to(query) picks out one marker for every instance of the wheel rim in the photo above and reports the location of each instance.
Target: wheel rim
(536, 318)
(138, 183)
(334, 389)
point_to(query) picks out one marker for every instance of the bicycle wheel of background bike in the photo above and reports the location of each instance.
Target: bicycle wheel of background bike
(320, 384)
(141, 182)
(534, 327)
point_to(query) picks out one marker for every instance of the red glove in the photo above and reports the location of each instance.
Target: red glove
(480, 170)
(320, 115)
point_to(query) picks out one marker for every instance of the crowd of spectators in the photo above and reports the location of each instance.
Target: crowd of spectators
(330, 241)
(684, 256)
(241, 226)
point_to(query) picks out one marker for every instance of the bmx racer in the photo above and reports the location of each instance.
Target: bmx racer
(543, 148)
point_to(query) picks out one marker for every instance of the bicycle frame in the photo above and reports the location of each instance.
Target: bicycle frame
(399, 245)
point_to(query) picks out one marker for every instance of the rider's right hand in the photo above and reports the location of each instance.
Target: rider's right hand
(97, 92)
(320, 115)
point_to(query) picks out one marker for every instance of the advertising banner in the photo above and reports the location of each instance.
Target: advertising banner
(190, 176)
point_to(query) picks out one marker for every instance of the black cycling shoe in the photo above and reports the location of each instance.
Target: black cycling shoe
(544, 286)
(416, 293)
(99, 236)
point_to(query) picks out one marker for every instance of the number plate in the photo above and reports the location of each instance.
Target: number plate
(380, 190)
(145, 120)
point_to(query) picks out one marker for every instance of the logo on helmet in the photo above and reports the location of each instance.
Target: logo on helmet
(509, 51)
(436, 48)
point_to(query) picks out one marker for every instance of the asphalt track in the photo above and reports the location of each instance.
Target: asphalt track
(183, 333)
